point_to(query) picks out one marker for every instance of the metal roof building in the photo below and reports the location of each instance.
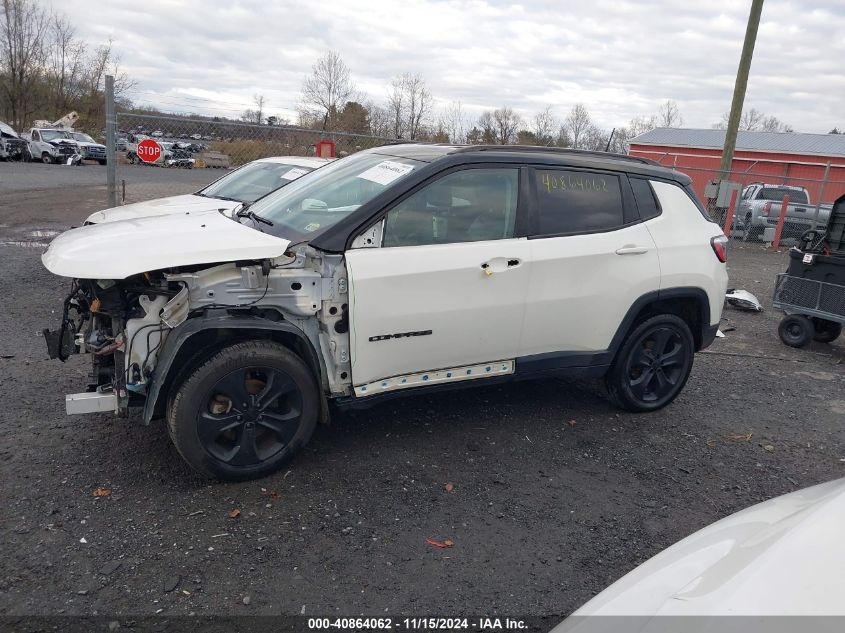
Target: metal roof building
(793, 158)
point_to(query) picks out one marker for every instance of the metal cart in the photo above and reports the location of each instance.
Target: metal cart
(815, 310)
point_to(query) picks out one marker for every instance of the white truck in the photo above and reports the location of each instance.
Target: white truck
(50, 145)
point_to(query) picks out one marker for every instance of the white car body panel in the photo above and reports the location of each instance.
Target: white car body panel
(782, 557)
(473, 317)
(160, 206)
(585, 271)
(686, 256)
(116, 250)
(190, 202)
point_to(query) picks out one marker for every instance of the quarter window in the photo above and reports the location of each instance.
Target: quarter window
(577, 201)
(464, 206)
(644, 196)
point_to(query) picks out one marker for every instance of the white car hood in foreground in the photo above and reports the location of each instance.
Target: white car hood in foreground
(781, 557)
(161, 206)
(117, 250)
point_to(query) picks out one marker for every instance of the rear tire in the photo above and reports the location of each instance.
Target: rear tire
(796, 330)
(826, 331)
(245, 411)
(653, 364)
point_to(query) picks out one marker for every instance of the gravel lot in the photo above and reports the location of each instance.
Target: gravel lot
(554, 493)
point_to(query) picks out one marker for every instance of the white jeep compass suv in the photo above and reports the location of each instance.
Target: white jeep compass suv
(396, 270)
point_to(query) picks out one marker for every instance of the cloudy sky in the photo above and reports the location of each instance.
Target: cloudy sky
(621, 58)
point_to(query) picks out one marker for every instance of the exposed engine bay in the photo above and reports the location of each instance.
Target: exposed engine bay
(126, 325)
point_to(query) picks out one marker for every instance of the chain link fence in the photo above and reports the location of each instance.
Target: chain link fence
(195, 152)
(758, 213)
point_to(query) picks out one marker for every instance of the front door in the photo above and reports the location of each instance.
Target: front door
(443, 297)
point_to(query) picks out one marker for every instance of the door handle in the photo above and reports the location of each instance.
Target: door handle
(500, 264)
(630, 249)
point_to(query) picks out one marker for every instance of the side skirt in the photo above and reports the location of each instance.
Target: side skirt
(576, 365)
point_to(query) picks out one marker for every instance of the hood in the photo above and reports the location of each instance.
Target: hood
(160, 206)
(7, 130)
(117, 250)
(780, 557)
(87, 144)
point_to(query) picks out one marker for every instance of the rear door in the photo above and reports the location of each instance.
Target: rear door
(591, 259)
(443, 297)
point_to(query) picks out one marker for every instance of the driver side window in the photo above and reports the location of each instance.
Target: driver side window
(464, 206)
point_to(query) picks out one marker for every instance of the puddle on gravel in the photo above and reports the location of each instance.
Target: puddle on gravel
(36, 238)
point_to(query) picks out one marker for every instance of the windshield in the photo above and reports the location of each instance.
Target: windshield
(796, 196)
(253, 181)
(316, 202)
(53, 135)
(81, 136)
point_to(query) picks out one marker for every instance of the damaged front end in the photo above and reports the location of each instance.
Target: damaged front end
(121, 323)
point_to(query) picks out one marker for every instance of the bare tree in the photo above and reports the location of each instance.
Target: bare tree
(506, 124)
(259, 101)
(544, 126)
(409, 104)
(636, 126)
(454, 122)
(576, 124)
(380, 124)
(65, 63)
(327, 88)
(754, 120)
(669, 115)
(487, 128)
(23, 28)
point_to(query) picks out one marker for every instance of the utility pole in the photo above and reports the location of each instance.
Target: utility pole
(739, 87)
(111, 154)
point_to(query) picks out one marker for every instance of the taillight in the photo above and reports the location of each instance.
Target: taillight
(720, 247)
(767, 209)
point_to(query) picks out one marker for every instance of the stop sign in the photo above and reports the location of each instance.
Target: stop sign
(149, 151)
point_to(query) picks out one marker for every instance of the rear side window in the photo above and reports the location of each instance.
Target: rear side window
(776, 194)
(646, 201)
(577, 201)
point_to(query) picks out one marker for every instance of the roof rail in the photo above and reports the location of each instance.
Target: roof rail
(557, 150)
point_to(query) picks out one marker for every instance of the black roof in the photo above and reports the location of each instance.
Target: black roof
(558, 156)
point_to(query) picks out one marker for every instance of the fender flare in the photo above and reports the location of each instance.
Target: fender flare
(191, 327)
(665, 294)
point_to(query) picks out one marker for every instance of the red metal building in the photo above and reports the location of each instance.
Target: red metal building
(814, 161)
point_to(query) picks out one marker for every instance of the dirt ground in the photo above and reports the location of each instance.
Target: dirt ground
(548, 492)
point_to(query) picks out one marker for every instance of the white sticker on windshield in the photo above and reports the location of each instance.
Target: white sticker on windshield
(294, 173)
(386, 172)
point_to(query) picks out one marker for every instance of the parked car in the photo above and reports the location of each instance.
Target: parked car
(12, 146)
(89, 148)
(396, 270)
(782, 557)
(51, 145)
(760, 204)
(245, 184)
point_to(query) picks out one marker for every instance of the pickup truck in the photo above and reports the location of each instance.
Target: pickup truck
(759, 208)
(89, 148)
(12, 146)
(52, 146)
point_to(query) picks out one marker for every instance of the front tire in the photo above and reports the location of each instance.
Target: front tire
(244, 412)
(653, 364)
(46, 158)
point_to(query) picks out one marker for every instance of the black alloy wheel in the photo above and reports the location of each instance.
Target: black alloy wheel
(653, 364)
(244, 411)
(250, 415)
